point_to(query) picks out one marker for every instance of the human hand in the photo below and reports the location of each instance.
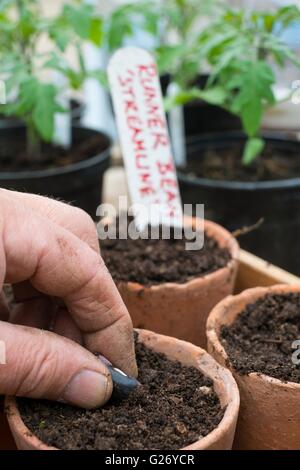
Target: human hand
(50, 250)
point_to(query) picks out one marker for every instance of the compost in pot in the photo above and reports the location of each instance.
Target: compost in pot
(174, 406)
(152, 262)
(224, 163)
(261, 337)
(13, 156)
(167, 288)
(257, 347)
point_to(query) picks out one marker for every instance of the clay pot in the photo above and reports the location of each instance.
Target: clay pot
(6, 439)
(181, 310)
(188, 354)
(270, 414)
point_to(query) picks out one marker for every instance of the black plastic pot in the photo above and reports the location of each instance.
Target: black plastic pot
(79, 183)
(201, 117)
(235, 204)
(7, 122)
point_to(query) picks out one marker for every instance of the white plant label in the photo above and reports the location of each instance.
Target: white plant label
(144, 138)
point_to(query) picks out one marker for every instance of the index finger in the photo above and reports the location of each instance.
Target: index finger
(59, 264)
(71, 218)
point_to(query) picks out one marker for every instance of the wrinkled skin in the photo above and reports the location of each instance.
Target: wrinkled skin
(65, 298)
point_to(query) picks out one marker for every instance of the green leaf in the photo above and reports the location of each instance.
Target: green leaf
(44, 110)
(119, 29)
(146, 16)
(76, 79)
(79, 19)
(60, 35)
(279, 50)
(269, 21)
(253, 148)
(151, 23)
(38, 102)
(288, 15)
(56, 63)
(167, 57)
(96, 31)
(27, 98)
(215, 95)
(251, 114)
(214, 43)
(254, 82)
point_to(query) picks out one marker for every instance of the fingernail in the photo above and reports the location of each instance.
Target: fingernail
(123, 384)
(88, 389)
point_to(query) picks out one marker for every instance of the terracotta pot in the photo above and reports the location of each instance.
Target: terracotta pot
(270, 414)
(188, 354)
(6, 439)
(181, 310)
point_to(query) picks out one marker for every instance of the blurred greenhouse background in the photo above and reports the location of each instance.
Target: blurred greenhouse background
(230, 76)
(98, 108)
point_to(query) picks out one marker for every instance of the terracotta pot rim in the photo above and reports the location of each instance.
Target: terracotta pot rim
(14, 418)
(217, 312)
(171, 285)
(228, 420)
(228, 417)
(233, 400)
(233, 248)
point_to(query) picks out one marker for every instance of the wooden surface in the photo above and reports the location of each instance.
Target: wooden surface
(254, 272)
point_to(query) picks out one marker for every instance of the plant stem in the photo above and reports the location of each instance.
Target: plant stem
(27, 49)
(20, 7)
(26, 46)
(33, 143)
(80, 59)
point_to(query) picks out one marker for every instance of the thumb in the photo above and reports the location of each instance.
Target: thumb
(40, 364)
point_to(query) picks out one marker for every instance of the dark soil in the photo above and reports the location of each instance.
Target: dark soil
(13, 156)
(260, 339)
(174, 407)
(152, 262)
(226, 164)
